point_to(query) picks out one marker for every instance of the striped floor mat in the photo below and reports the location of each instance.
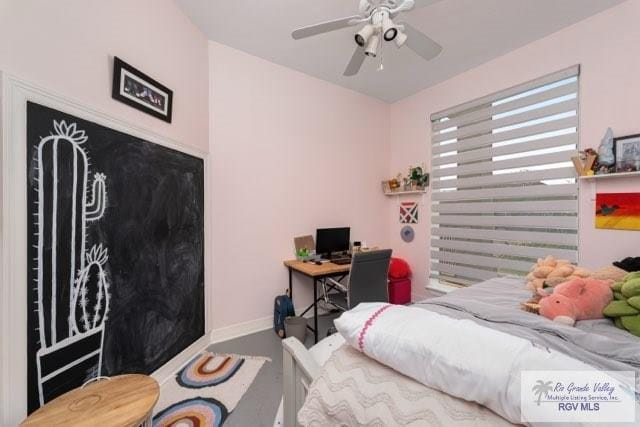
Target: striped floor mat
(206, 390)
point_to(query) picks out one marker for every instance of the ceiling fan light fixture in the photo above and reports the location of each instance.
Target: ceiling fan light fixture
(400, 39)
(389, 30)
(372, 46)
(364, 35)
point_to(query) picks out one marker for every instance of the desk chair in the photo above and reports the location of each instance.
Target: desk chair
(367, 281)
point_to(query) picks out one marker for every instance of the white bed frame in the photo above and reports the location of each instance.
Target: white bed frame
(299, 370)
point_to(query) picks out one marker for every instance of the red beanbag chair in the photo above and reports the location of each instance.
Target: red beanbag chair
(399, 269)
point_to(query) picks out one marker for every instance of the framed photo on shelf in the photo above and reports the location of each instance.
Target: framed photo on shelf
(627, 150)
(140, 91)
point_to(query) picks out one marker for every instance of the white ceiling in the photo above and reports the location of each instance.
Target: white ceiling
(470, 31)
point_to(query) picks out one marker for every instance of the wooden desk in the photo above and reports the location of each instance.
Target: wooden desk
(123, 401)
(312, 270)
(315, 272)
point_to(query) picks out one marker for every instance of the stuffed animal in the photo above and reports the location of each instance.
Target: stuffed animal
(625, 310)
(578, 299)
(551, 272)
(611, 272)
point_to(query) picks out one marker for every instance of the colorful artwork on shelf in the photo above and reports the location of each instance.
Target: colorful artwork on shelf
(408, 213)
(618, 211)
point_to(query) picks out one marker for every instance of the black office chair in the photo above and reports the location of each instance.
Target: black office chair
(367, 281)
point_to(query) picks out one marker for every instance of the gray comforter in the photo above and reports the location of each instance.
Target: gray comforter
(496, 304)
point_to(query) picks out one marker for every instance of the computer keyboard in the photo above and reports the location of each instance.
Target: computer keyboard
(341, 261)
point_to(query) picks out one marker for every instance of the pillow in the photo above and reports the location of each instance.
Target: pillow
(458, 357)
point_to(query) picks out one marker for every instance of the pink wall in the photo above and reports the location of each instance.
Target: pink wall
(270, 128)
(66, 46)
(605, 46)
(290, 153)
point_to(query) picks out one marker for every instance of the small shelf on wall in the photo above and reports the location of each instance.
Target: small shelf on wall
(407, 192)
(611, 175)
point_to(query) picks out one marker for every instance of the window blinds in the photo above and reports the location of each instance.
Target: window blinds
(504, 188)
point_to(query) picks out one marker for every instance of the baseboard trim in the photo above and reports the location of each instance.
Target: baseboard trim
(169, 369)
(240, 329)
(251, 327)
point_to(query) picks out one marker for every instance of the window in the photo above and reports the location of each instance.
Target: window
(504, 187)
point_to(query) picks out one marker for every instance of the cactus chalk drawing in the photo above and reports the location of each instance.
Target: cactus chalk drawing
(115, 240)
(70, 201)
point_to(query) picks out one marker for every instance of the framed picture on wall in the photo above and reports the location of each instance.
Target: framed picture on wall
(140, 91)
(627, 149)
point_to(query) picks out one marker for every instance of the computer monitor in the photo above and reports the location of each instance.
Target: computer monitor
(329, 240)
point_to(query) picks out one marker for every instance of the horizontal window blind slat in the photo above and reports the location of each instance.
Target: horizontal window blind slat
(504, 189)
(507, 207)
(489, 125)
(481, 261)
(503, 94)
(494, 138)
(442, 278)
(490, 166)
(507, 178)
(529, 191)
(489, 152)
(539, 237)
(472, 273)
(546, 221)
(505, 249)
(487, 113)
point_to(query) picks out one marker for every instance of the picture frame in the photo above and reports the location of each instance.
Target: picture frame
(138, 90)
(627, 152)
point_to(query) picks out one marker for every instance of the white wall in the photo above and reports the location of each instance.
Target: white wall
(290, 153)
(605, 46)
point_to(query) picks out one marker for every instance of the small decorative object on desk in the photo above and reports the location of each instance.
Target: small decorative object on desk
(303, 254)
(305, 247)
(627, 149)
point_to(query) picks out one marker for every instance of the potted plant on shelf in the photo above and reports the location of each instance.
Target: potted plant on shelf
(418, 178)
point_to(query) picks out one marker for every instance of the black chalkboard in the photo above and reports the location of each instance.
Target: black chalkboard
(116, 253)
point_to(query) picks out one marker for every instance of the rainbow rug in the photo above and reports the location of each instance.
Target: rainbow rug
(206, 390)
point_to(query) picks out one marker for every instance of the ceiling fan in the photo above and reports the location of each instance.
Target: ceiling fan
(377, 15)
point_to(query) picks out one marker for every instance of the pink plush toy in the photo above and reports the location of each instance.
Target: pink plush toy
(578, 299)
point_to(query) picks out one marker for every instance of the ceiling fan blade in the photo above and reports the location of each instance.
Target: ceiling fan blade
(425, 3)
(421, 44)
(326, 27)
(355, 63)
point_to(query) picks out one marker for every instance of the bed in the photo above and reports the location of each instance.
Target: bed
(342, 386)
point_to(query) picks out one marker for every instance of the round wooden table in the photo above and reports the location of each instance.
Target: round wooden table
(123, 401)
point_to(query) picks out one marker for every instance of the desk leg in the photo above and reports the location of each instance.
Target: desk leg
(315, 309)
(290, 284)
